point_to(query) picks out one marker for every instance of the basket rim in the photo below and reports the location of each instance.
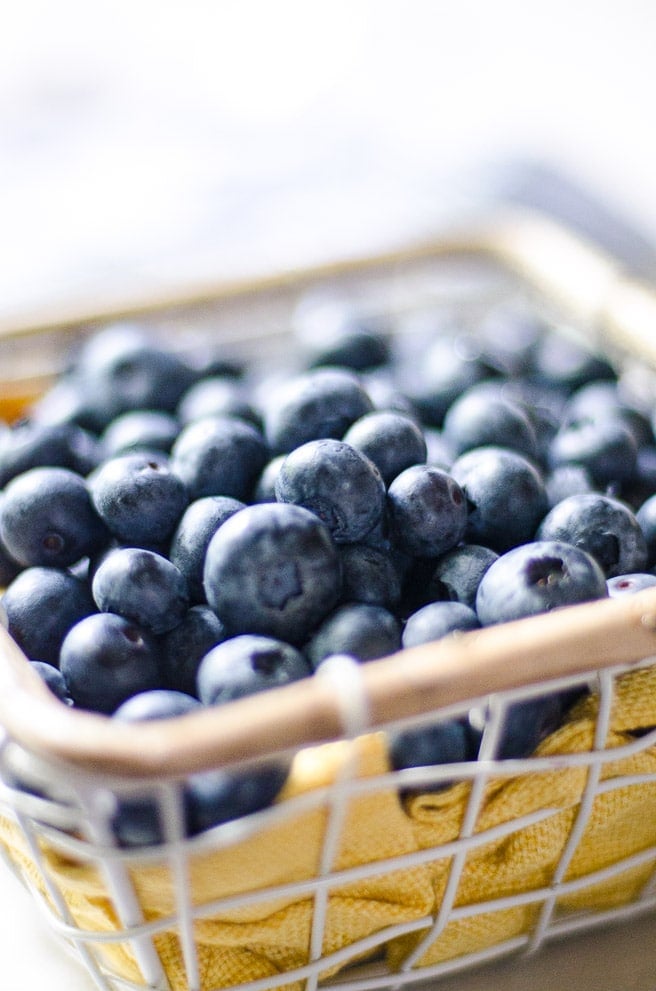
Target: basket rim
(586, 638)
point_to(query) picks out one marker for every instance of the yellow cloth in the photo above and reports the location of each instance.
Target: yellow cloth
(272, 935)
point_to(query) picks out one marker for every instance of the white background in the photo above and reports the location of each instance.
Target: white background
(149, 140)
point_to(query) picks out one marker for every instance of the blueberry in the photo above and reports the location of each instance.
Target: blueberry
(335, 482)
(427, 510)
(369, 575)
(560, 359)
(508, 337)
(31, 444)
(265, 487)
(41, 605)
(566, 480)
(457, 574)
(247, 664)
(218, 396)
(156, 703)
(140, 430)
(505, 495)
(9, 568)
(54, 679)
(47, 518)
(184, 647)
(606, 447)
(272, 569)
(354, 345)
(393, 441)
(215, 797)
(526, 724)
(189, 543)
(362, 631)
(435, 379)
(437, 620)
(315, 405)
(535, 578)
(431, 745)
(622, 585)
(121, 369)
(139, 498)
(136, 821)
(219, 455)
(141, 586)
(602, 526)
(484, 417)
(106, 659)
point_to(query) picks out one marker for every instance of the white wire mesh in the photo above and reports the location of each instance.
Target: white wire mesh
(50, 825)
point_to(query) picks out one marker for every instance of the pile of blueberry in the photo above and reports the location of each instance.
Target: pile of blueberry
(177, 532)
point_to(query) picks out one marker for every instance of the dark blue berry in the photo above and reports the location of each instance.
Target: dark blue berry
(369, 575)
(245, 665)
(602, 526)
(140, 430)
(41, 605)
(483, 416)
(218, 396)
(106, 659)
(535, 578)
(437, 620)
(189, 543)
(272, 569)
(427, 511)
(54, 679)
(47, 518)
(215, 797)
(505, 496)
(142, 586)
(457, 574)
(139, 498)
(184, 647)
(362, 631)
(219, 455)
(393, 441)
(335, 482)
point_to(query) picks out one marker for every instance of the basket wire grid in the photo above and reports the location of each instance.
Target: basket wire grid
(60, 803)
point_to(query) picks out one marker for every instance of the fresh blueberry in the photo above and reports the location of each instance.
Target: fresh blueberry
(41, 605)
(602, 526)
(139, 498)
(437, 620)
(272, 569)
(136, 821)
(560, 359)
(47, 518)
(184, 647)
(9, 568)
(393, 441)
(567, 480)
(622, 585)
(355, 344)
(427, 510)
(32, 444)
(434, 379)
(431, 745)
(526, 724)
(457, 574)
(196, 527)
(215, 797)
(362, 631)
(54, 679)
(219, 455)
(218, 396)
(120, 369)
(156, 703)
(483, 416)
(606, 447)
(369, 575)
(608, 399)
(140, 430)
(505, 496)
(337, 483)
(247, 664)
(315, 405)
(106, 659)
(142, 586)
(535, 578)
(508, 337)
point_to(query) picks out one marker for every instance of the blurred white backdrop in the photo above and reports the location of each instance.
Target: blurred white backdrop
(157, 140)
(147, 140)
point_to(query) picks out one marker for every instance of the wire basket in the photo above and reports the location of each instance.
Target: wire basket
(358, 875)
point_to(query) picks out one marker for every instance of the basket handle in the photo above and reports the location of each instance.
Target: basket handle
(581, 640)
